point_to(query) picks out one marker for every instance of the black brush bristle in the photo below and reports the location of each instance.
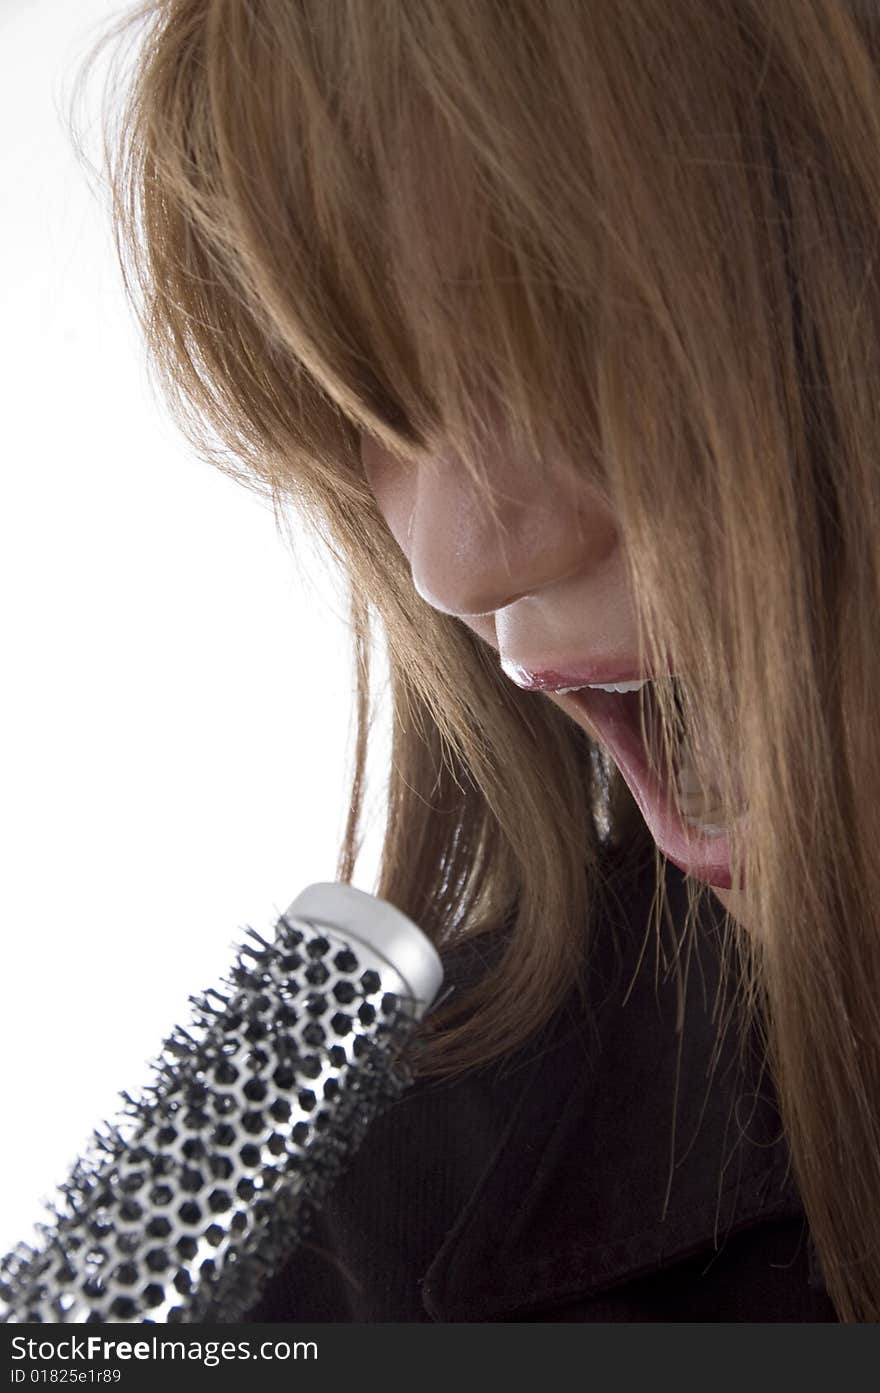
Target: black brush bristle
(248, 1118)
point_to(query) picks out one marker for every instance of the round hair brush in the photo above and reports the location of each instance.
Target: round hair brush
(184, 1207)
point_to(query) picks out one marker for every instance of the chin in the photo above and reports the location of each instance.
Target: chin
(734, 901)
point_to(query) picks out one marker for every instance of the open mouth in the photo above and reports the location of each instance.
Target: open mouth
(684, 818)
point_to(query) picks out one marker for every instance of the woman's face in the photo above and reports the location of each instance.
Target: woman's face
(541, 578)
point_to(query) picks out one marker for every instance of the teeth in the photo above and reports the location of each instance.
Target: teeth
(711, 829)
(615, 686)
(605, 687)
(694, 800)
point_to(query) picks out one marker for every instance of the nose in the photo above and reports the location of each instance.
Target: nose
(472, 556)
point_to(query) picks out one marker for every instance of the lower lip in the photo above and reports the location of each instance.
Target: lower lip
(615, 717)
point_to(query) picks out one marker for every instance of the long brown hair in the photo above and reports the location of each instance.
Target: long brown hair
(648, 234)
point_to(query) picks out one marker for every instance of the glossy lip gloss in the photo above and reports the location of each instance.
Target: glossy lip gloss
(577, 673)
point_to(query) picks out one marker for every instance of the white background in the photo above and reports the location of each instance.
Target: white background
(176, 686)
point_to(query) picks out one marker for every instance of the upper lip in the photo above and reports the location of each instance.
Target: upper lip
(576, 674)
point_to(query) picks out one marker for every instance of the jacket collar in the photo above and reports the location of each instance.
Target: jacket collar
(577, 1196)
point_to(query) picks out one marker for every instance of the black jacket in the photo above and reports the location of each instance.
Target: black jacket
(534, 1188)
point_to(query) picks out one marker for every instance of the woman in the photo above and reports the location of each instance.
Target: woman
(559, 323)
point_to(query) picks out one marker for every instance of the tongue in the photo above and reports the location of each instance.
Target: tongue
(615, 716)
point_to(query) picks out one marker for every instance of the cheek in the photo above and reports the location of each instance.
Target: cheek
(393, 488)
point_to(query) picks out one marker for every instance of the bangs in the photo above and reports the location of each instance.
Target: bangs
(339, 229)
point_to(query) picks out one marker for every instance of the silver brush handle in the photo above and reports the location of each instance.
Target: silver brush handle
(182, 1210)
